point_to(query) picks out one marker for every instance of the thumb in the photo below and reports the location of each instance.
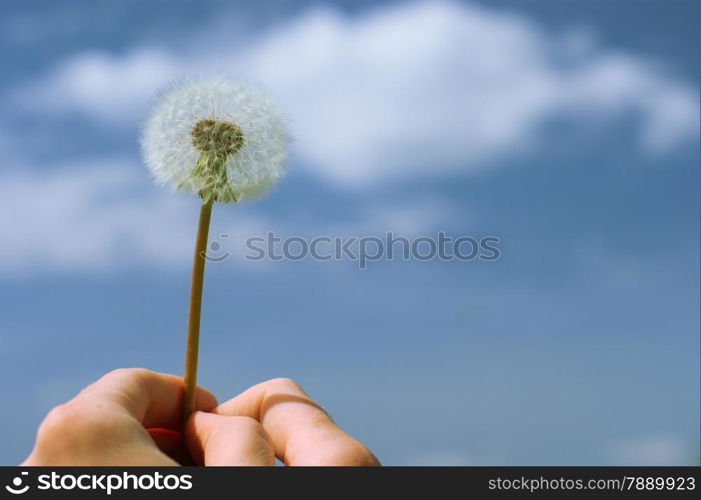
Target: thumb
(222, 440)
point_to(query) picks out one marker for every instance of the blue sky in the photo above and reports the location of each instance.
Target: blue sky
(570, 131)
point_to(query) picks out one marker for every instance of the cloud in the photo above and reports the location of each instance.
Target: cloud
(103, 86)
(96, 216)
(414, 89)
(650, 450)
(83, 217)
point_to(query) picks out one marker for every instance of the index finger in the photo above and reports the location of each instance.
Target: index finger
(301, 431)
(154, 399)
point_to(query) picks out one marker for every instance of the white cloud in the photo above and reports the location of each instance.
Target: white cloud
(96, 216)
(412, 89)
(650, 450)
(102, 86)
(81, 217)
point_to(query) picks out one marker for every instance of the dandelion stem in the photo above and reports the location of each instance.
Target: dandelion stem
(193, 323)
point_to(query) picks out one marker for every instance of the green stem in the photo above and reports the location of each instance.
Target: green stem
(193, 324)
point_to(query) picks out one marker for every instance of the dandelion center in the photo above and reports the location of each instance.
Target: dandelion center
(216, 138)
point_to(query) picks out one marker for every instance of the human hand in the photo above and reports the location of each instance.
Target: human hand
(130, 416)
(272, 419)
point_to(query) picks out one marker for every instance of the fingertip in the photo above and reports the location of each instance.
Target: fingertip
(198, 429)
(192, 434)
(218, 440)
(205, 400)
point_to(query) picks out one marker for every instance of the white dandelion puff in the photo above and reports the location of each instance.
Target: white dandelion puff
(221, 139)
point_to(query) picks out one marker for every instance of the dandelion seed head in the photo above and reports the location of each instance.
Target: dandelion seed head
(216, 137)
(221, 139)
